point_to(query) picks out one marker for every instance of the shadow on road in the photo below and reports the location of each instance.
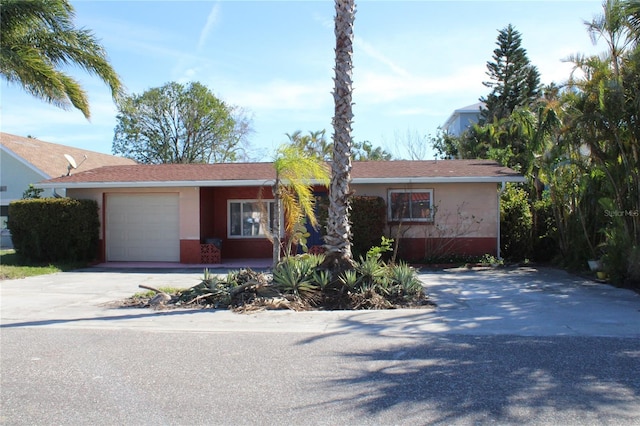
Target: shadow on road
(502, 379)
(109, 318)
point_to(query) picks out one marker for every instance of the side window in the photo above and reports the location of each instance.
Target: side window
(410, 206)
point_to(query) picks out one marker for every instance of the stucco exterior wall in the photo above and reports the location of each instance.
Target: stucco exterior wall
(465, 220)
(461, 209)
(189, 205)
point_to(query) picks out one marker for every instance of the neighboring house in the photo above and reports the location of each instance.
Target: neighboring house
(462, 119)
(167, 212)
(25, 161)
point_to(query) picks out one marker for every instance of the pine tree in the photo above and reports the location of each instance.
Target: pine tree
(514, 81)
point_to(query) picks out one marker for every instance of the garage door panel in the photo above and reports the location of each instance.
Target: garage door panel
(143, 227)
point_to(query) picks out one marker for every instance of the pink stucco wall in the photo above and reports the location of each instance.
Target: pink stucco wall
(467, 212)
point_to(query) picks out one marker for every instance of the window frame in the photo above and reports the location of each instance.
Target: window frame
(270, 207)
(392, 191)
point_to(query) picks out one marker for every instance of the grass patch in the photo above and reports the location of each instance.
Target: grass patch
(13, 266)
(173, 291)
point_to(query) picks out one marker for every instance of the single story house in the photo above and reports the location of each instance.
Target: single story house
(25, 161)
(173, 212)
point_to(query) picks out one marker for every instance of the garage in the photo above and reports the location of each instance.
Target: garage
(142, 227)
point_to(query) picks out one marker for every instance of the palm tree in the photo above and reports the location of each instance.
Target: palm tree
(632, 9)
(613, 25)
(37, 39)
(338, 238)
(297, 171)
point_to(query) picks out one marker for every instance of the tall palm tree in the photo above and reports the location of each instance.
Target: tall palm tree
(632, 9)
(613, 26)
(338, 238)
(37, 39)
(297, 171)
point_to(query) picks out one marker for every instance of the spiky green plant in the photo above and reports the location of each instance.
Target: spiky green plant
(322, 279)
(349, 279)
(294, 275)
(405, 280)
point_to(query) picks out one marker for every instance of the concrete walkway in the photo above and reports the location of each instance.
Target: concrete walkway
(513, 301)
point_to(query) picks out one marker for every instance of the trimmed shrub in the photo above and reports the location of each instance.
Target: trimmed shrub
(55, 229)
(368, 219)
(515, 224)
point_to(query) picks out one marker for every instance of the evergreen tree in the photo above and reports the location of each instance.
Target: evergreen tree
(514, 82)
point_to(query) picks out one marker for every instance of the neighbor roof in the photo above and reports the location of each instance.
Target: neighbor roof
(48, 160)
(258, 174)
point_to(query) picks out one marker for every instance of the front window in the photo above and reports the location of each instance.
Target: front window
(246, 218)
(410, 205)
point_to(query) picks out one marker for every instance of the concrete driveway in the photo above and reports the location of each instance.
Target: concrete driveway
(478, 358)
(522, 301)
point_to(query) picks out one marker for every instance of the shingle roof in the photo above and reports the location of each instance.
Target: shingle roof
(48, 158)
(231, 174)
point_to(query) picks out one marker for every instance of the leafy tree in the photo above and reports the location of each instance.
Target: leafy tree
(296, 174)
(365, 151)
(514, 82)
(179, 123)
(38, 41)
(317, 144)
(32, 192)
(314, 143)
(338, 238)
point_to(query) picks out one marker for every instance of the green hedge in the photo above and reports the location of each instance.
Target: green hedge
(368, 219)
(55, 229)
(515, 224)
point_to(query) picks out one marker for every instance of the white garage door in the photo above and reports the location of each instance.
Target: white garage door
(142, 227)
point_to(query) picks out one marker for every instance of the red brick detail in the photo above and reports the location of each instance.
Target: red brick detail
(189, 251)
(209, 253)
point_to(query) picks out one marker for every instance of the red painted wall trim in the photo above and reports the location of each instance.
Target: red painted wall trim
(415, 249)
(189, 251)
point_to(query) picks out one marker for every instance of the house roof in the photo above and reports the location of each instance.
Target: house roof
(469, 109)
(258, 174)
(48, 160)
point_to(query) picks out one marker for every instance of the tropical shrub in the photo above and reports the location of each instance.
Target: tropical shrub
(515, 223)
(55, 229)
(368, 219)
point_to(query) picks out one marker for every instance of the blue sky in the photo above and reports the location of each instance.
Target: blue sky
(415, 62)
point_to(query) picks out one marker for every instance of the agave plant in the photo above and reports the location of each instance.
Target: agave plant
(322, 279)
(371, 269)
(405, 280)
(294, 275)
(349, 279)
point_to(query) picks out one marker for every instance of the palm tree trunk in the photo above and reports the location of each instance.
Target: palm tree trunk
(338, 238)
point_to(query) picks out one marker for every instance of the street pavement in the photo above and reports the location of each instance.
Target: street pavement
(503, 346)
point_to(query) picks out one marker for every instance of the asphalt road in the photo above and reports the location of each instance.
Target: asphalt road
(503, 347)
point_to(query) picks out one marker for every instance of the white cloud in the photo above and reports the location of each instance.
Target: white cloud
(282, 95)
(379, 88)
(375, 54)
(212, 19)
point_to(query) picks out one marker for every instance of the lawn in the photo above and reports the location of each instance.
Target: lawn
(14, 266)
